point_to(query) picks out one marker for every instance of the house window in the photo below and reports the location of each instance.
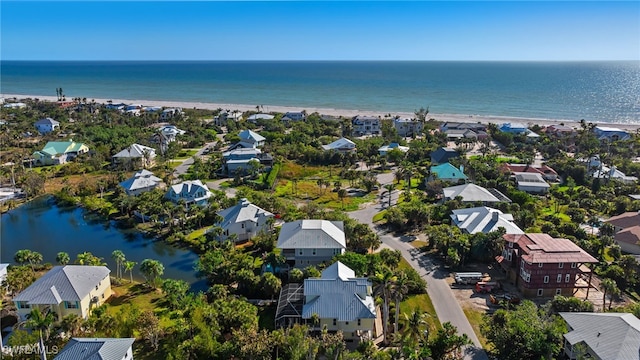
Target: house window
(539, 292)
(243, 226)
(71, 305)
(346, 323)
(96, 287)
(558, 291)
(300, 252)
(574, 265)
(539, 265)
(559, 278)
(567, 278)
(314, 251)
(23, 305)
(510, 244)
(546, 279)
(560, 265)
(509, 256)
(335, 322)
(359, 322)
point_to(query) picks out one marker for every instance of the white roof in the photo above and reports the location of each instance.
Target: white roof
(312, 234)
(96, 349)
(613, 173)
(241, 151)
(484, 219)
(141, 180)
(611, 336)
(473, 192)
(64, 283)
(171, 130)
(392, 146)
(260, 117)
(135, 151)
(251, 136)
(338, 294)
(243, 211)
(530, 179)
(342, 143)
(609, 128)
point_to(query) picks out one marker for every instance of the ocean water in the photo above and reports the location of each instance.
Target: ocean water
(594, 91)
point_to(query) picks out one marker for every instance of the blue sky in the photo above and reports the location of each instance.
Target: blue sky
(308, 30)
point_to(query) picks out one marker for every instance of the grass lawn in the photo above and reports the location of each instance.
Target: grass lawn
(422, 302)
(404, 264)
(550, 210)
(379, 217)
(197, 233)
(186, 153)
(476, 318)
(309, 190)
(138, 295)
(419, 244)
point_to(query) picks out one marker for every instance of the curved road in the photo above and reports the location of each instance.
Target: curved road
(446, 306)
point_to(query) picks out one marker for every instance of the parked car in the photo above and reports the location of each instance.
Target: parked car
(487, 286)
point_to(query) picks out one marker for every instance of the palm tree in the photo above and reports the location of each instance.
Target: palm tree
(400, 289)
(342, 193)
(62, 258)
(128, 266)
(609, 287)
(152, 270)
(36, 320)
(414, 327)
(72, 324)
(384, 283)
(120, 259)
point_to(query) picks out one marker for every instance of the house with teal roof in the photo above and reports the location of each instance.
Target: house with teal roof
(59, 152)
(447, 172)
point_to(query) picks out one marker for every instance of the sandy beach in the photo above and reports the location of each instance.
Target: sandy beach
(486, 119)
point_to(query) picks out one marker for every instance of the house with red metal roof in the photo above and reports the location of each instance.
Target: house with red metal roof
(545, 171)
(540, 265)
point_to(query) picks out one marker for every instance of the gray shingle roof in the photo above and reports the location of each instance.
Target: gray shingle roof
(334, 296)
(312, 234)
(95, 349)
(251, 136)
(242, 211)
(611, 336)
(64, 283)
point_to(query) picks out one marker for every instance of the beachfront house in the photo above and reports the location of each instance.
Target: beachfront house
(59, 152)
(470, 193)
(485, 220)
(46, 125)
(365, 125)
(245, 220)
(442, 155)
(294, 116)
(406, 127)
(192, 192)
(477, 127)
(384, 150)
(542, 266)
(15, 105)
(97, 349)
(224, 116)
(251, 139)
(311, 242)
(171, 113)
(142, 181)
(255, 117)
(601, 336)
(342, 145)
(69, 289)
(608, 133)
(514, 128)
(447, 172)
(134, 156)
(531, 182)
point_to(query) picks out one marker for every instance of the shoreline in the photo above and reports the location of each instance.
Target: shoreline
(348, 113)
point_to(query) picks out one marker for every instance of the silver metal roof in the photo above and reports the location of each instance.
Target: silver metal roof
(64, 283)
(312, 234)
(484, 219)
(242, 211)
(95, 349)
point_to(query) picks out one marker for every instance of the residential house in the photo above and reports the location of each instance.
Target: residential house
(608, 133)
(601, 336)
(393, 146)
(547, 172)
(474, 193)
(170, 132)
(612, 173)
(240, 160)
(59, 152)
(255, 117)
(514, 128)
(311, 242)
(135, 155)
(97, 349)
(442, 155)
(627, 228)
(340, 301)
(342, 145)
(560, 131)
(192, 192)
(167, 114)
(244, 219)
(3, 275)
(467, 134)
(251, 138)
(447, 172)
(46, 125)
(142, 181)
(485, 220)
(222, 118)
(16, 105)
(408, 127)
(69, 289)
(531, 182)
(365, 125)
(543, 266)
(294, 116)
(476, 127)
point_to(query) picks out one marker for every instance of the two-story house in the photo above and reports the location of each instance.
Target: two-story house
(251, 138)
(70, 289)
(46, 125)
(342, 145)
(408, 127)
(97, 349)
(244, 219)
(59, 152)
(135, 155)
(543, 266)
(485, 220)
(191, 192)
(311, 242)
(365, 125)
(142, 181)
(294, 116)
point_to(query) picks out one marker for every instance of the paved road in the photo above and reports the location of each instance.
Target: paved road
(184, 167)
(446, 306)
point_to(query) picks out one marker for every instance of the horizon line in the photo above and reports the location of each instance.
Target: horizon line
(318, 60)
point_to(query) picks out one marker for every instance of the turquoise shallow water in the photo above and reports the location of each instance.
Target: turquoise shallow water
(594, 91)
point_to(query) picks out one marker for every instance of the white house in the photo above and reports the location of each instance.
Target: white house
(485, 220)
(252, 138)
(46, 125)
(222, 118)
(474, 193)
(342, 145)
(140, 182)
(407, 127)
(244, 219)
(241, 153)
(342, 302)
(393, 146)
(531, 182)
(170, 132)
(97, 349)
(167, 114)
(610, 133)
(612, 173)
(192, 192)
(311, 242)
(294, 115)
(365, 125)
(136, 154)
(69, 289)
(17, 105)
(255, 117)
